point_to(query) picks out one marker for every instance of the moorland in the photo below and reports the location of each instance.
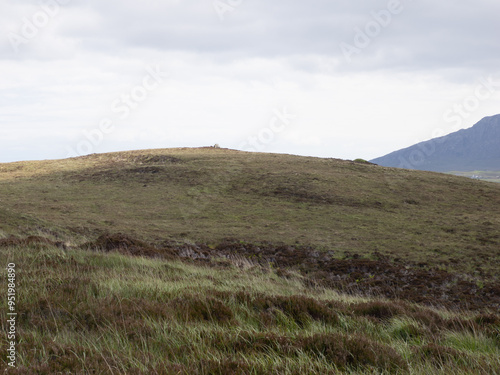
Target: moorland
(215, 261)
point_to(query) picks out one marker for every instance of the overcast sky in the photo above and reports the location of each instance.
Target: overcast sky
(342, 78)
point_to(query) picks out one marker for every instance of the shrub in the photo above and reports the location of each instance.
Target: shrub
(440, 355)
(224, 367)
(404, 330)
(355, 351)
(300, 309)
(193, 308)
(378, 309)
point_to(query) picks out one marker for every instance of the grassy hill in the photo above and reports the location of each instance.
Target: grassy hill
(213, 261)
(208, 195)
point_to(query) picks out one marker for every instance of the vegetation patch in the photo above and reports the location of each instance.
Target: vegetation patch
(125, 244)
(301, 309)
(354, 351)
(32, 241)
(211, 261)
(196, 309)
(378, 309)
(100, 312)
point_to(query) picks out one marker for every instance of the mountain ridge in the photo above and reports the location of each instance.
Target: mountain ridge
(474, 148)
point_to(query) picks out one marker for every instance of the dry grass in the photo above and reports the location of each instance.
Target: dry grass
(86, 312)
(238, 263)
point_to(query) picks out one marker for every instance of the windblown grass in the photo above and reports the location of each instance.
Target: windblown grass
(86, 312)
(235, 263)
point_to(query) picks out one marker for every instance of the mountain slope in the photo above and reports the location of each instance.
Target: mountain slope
(475, 148)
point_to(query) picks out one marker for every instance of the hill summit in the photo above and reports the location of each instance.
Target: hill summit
(475, 148)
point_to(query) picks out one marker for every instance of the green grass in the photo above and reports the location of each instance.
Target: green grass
(86, 312)
(253, 264)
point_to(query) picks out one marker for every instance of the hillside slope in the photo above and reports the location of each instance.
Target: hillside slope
(211, 261)
(209, 195)
(473, 149)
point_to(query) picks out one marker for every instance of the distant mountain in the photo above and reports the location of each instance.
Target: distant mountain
(475, 148)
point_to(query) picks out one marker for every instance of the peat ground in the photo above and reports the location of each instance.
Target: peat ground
(377, 276)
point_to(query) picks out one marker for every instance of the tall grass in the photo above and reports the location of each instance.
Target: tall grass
(86, 312)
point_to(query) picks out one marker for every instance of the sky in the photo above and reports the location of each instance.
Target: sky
(343, 79)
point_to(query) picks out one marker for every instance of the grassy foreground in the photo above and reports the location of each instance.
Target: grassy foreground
(87, 312)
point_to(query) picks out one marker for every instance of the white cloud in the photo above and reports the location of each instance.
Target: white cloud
(227, 78)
